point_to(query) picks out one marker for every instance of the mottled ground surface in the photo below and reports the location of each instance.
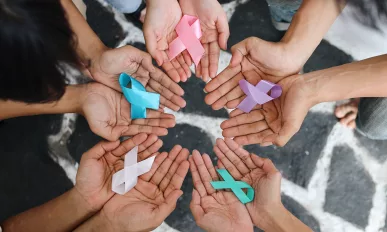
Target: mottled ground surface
(334, 179)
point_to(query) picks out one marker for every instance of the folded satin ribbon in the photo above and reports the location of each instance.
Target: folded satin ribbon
(235, 186)
(258, 94)
(138, 97)
(189, 32)
(125, 179)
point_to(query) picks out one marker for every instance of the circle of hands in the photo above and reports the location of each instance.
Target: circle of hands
(155, 196)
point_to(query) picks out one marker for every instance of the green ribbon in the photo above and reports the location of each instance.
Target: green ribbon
(138, 97)
(235, 186)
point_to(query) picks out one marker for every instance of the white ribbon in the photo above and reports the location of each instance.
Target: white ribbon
(125, 179)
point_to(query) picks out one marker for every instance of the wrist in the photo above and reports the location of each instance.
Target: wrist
(97, 223)
(81, 202)
(274, 219)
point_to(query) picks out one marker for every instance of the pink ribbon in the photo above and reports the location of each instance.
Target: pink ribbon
(258, 94)
(189, 32)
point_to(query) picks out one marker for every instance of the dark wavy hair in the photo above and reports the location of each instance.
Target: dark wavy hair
(35, 38)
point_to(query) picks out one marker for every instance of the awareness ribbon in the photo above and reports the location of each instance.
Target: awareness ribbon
(189, 32)
(138, 97)
(235, 186)
(125, 179)
(258, 94)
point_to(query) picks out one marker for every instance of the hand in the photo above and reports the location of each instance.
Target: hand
(251, 57)
(260, 174)
(214, 25)
(154, 197)
(108, 114)
(94, 177)
(214, 210)
(159, 31)
(273, 122)
(111, 63)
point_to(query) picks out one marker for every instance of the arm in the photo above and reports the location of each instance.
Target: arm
(63, 213)
(365, 78)
(281, 220)
(308, 27)
(89, 45)
(69, 103)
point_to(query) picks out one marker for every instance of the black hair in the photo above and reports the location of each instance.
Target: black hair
(370, 12)
(35, 38)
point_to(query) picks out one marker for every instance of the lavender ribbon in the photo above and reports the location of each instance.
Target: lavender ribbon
(258, 94)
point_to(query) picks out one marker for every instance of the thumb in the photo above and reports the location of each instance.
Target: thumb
(223, 30)
(287, 131)
(151, 46)
(196, 209)
(238, 51)
(166, 208)
(147, 63)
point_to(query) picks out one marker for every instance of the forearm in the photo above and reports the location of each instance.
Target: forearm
(89, 44)
(63, 213)
(367, 78)
(281, 220)
(96, 223)
(69, 103)
(308, 27)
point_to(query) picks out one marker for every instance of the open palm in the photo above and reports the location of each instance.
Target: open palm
(159, 31)
(108, 114)
(154, 197)
(138, 64)
(215, 30)
(214, 210)
(94, 176)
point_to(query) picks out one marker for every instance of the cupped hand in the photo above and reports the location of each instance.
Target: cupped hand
(110, 64)
(154, 197)
(274, 122)
(108, 114)
(94, 177)
(214, 210)
(259, 173)
(215, 30)
(159, 31)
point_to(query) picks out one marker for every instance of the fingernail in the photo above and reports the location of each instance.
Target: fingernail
(266, 144)
(204, 90)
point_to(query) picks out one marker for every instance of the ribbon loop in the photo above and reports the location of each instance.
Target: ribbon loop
(138, 97)
(125, 179)
(235, 186)
(189, 32)
(258, 94)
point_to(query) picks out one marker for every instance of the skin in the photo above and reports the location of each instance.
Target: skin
(147, 205)
(214, 25)
(214, 210)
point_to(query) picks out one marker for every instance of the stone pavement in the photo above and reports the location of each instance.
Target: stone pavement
(334, 179)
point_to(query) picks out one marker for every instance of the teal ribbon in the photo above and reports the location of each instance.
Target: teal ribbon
(235, 186)
(138, 97)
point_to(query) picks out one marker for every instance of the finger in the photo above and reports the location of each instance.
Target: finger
(165, 102)
(135, 129)
(221, 165)
(182, 156)
(239, 51)
(222, 78)
(241, 153)
(167, 82)
(348, 118)
(171, 71)
(210, 167)
(109, 132)
(234, 103)
(187, 58)
(226, 163)
(197, 181)
(198, 71)
(180, 70)
(345, 109)
(157, 114)
(286, 133)
(224, 84)
(164, 122)
(167, 207)
(205, 63)
(214, 52)
(100, 149)
(167, 93)
(255, 138)
(232, 157)
(223, 30)
(245, 129)
(178, 178)
(352, 124)
(129, 144)
(265, 164)
(149, 147)
(163, 169)
(156, 164)
(203, 172)
(151, 46)
(146, 62)
(230, 91)
(185, 67)
(195, 206)
(245, 118)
